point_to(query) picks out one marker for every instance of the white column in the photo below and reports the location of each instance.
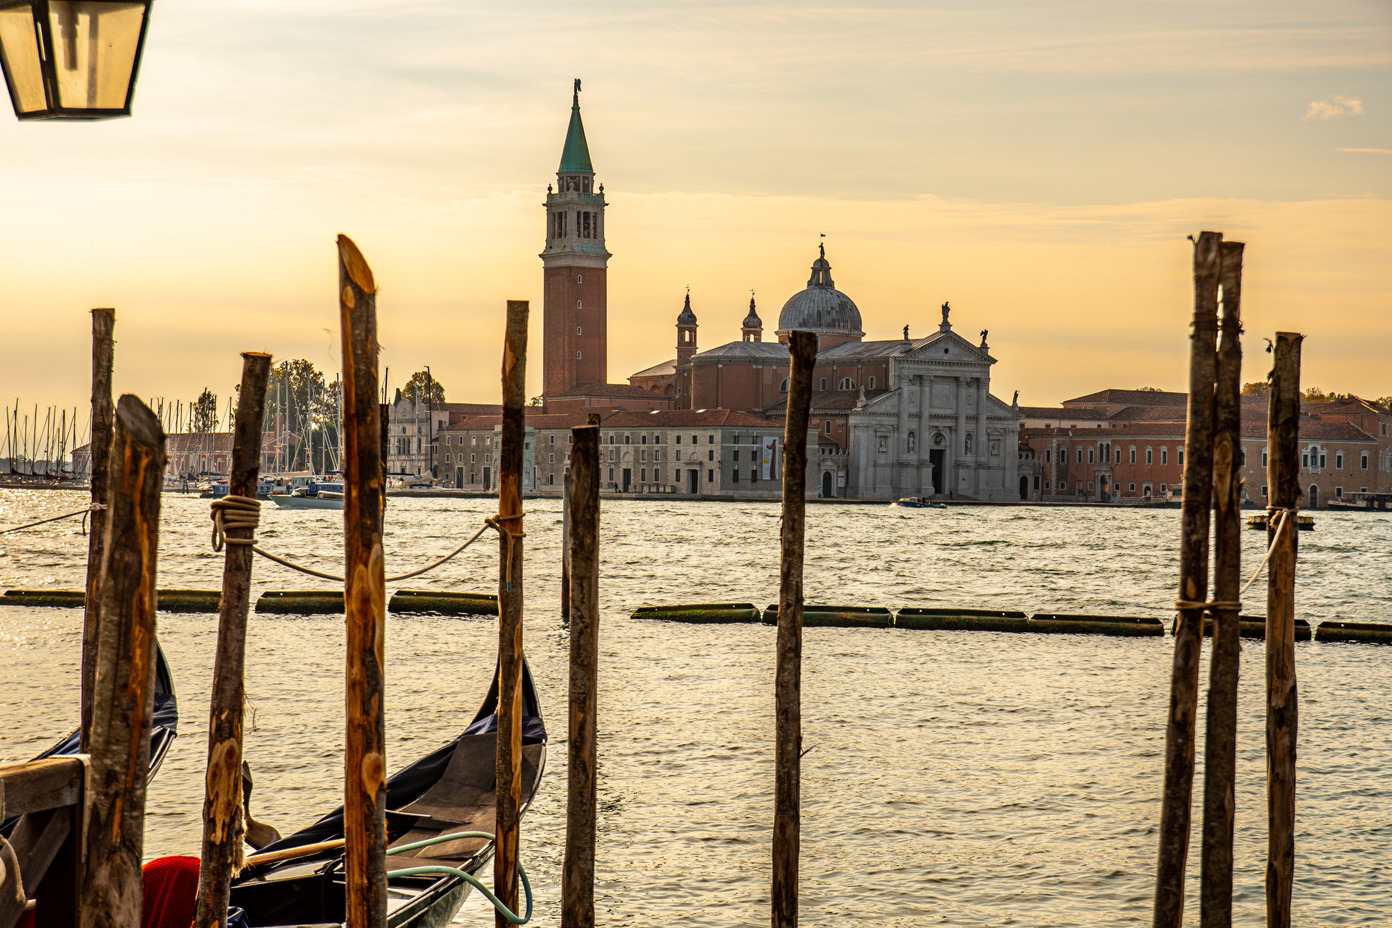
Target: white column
(900, 456)
(925, 427)
(959, 442)
(983, 454)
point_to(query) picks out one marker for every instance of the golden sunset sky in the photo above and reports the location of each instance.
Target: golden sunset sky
(1037, 164)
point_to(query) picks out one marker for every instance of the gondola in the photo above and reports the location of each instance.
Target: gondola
(299, 880)
(164, 726)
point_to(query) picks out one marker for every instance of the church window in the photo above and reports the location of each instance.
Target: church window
(1080, 455)
(579, 304)
(579, 278)
(577, 356)
(823, 386)
(847, 384)
(577, 330)
(872, 383)
(827, 427)
(783, 387)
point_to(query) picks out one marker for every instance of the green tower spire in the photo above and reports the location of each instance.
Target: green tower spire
(575, 157)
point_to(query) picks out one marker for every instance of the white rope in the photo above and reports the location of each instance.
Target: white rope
(95, 507)
(1283, 517)
(235, 512)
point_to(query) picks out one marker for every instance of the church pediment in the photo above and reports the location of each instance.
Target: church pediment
(947, 346)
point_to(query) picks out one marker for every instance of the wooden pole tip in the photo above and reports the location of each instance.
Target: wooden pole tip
(355, 265)
(137, 419)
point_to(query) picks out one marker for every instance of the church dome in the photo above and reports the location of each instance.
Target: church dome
(821, 308)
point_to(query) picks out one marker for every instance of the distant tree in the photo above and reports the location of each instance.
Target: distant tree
(1316, 395)
(425, 388)
(535, 401)
(1384, 401)
(297, 395)
(1149, 390)
(1260, 388)
(204, 417)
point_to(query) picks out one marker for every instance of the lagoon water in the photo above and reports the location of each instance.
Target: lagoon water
(951, 778)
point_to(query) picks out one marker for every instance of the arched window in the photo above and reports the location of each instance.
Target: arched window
(847, 384)
(783, 387)
(871, 385)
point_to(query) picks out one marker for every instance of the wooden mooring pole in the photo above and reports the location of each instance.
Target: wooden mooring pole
(582, 542)
(1220, 740)
(364, 596)
(1282, 707)
(509, 518)
(787, 777)
(1193, 589)
(222, 794)
(99, 457)
(123, 694)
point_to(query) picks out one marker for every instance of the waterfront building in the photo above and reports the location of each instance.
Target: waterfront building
(694, 453)
(413, 429)
(1135, 450)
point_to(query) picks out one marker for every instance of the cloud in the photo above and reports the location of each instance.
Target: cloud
(1333, 107)
(1369, 151)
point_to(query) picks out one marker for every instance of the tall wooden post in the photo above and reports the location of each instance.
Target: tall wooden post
(1220, 741)
(509, 759)
(565, 546)
(99, 454)
(787, 776)
(123, 694)
(1282, 707)
(1193, 588)
(582, 541)
(384, 441)
(364, 596)
(222, 795)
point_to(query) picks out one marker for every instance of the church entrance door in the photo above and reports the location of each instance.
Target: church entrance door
(458, 477)
(693, 482)
(487, 478)
(935, 462)
(627, 478)
(826, 485)
(1024, 488)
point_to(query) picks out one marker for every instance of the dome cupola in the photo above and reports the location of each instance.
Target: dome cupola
(822, 309)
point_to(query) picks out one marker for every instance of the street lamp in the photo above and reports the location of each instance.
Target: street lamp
(72, 59)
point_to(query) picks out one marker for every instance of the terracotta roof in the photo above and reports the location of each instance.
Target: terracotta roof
(665, 369)
(1151, 414)
(608, 389)
(762, 351)
(1131, 398)
(1061, 412)
(683, 418)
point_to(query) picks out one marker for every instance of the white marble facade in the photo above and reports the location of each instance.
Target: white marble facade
(938, 431)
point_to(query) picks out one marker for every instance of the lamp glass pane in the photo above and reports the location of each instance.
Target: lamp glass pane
(94, 45)
(19, 46)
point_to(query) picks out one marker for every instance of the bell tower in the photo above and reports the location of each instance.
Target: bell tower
(575, 344)
(686, 347)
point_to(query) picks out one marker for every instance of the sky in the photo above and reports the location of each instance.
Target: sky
(1038, 165)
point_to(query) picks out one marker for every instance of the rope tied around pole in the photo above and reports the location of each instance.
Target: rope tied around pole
(495, 522)
(235, 512)
(1283, 518)
(95, 507)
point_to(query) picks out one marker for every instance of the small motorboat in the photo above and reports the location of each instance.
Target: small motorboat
(314, 496)
(1303, 523)
(299, 880)
(918, 502)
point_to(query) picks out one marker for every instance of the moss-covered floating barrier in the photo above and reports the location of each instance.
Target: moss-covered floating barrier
(1366, 632)
(301, 602)
(169, 600)
(700, 613)
(1120, 625)
(973, 620)
(61, 598)
(189, 600)
(816, 615)
(1254, 626)
(440, 602)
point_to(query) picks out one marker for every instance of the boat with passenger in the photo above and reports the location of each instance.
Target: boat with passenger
(918, 502)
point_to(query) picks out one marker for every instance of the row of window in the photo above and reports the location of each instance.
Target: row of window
(586, 225)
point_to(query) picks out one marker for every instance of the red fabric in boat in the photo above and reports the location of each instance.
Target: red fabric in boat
(170, 891)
